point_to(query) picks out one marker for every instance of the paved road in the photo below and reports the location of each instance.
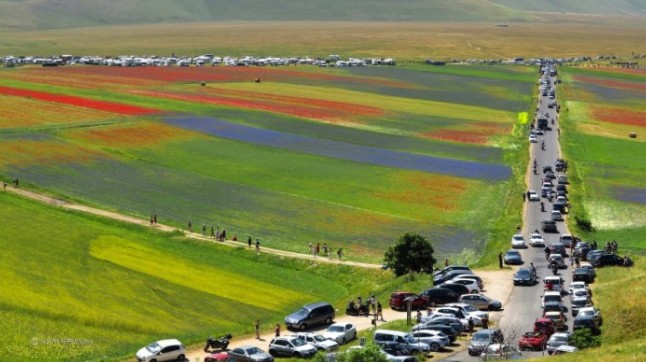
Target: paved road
(524, 304)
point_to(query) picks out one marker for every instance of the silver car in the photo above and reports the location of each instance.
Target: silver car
(291, 346)
(250, 354)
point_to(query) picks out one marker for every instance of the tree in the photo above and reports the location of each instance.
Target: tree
(370, 352)
(411, 252)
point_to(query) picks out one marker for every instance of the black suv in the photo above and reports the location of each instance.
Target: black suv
(586, 321)
(549, 226)
(608, 260)
(437, 295)
(311, 315)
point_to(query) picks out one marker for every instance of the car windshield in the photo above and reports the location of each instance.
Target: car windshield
(470, 308)
(335, 329)
(253, 350)
(579, 302)
(319, 338)
(153, 347)
(523, 273)
(298, 342)
(481, 337)
(586, 312)
(409, 338)
(303, 311)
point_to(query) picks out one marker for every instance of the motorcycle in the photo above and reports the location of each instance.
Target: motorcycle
(218, 343)
(555, 268)
(354, 309)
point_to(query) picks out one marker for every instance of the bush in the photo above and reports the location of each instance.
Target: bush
(583, 223)
(583, 338)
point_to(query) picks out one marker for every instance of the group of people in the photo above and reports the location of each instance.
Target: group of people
(315, 250)
(611, 247)
(372, 304)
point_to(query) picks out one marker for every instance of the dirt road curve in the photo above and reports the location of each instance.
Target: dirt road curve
(498, 283)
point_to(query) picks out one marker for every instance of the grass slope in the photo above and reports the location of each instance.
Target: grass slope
(114, 287)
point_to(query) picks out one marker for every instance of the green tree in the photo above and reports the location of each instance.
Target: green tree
(583, 338)
(368, 353)
(410, 253)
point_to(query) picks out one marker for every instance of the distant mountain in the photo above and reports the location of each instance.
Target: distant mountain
(52, 14)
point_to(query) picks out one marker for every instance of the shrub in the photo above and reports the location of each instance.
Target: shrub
(583, 338)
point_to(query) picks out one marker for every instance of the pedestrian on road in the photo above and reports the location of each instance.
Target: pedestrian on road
(277, 329)
(485, 321)
(500, 260)
(419, 317)
(470, 325)
(379, 312)
(547, 252)
(256, 327)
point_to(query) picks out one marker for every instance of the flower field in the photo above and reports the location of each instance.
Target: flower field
(351, 157)
(604, 106)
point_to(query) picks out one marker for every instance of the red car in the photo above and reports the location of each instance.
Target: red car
(217, 357)
(397, 301)
(533, 341)
(544, 326)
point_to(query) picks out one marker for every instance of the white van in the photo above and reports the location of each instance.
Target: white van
(383, 337)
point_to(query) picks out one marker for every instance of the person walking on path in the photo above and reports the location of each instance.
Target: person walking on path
(485, 321)
(470, 325)
(277, 329)
(325, 253)
(500, 260)
(257, 244)
(155, 219)
(203, 229)
(249, 242)
(419, 317)
(446, 262)
(151, 220)
(256, 327)
(524, 196)
(212, 232)
(339, 253)
(190, 226)
(380, 313)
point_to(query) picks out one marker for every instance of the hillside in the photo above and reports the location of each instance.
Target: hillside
(52, 14)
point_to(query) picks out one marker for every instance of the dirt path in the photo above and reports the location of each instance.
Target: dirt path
(498, 282)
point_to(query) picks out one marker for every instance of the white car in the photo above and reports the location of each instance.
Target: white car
(518, 242)
(556, 340)
(536, 239)
(321, 343)
(556, 215)
(579, 285)
(164, 350)
(533, 196)
(532, 138)
(341, 333)
(435, 339)
(471, 284)
(470, 311)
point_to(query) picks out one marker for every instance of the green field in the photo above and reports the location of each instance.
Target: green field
(114, 287)
(287, 197)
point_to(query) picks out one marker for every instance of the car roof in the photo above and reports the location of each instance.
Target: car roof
(168, 342)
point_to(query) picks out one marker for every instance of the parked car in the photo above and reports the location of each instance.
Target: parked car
(579, 285)
(554, 307)
(444, 277)
(590, 269)
(471, 284)
(469, 310)
(553, 282)
(448, 320)
(549, 226)
(586, 321)
(512, 257)
(448, 330)
(536, 239)
(474, 277)
(219, 356)
(437, 295)
(481, 301)
(577, 303)
(532, 341)
(564, 349)
(483, 338)
(608, 260)
(545, 326)
(459, 289)
(249, 354)
(582, 275)
(557, 340)
(558, 248)
(341, 333)
(501, 352)
(556, 215)
(291, 346)
(525, 276)
(551, 296)
(533, 195)
(566, 239)
(164, 350)
(451, 268)
(518, 242)
(558, 318)
(436, 340)
(385, 336)
(532, 138)
(319, 341)
(398, 301)
(311, 315)
(593, 312)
